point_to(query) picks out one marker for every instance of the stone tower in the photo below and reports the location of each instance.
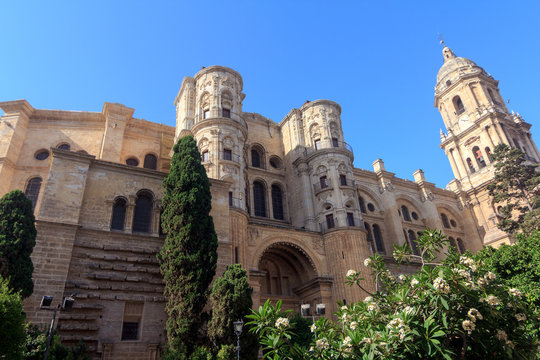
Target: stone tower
(477, 120)
(324, 189)
(209, 106)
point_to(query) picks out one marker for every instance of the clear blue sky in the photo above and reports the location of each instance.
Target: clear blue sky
(378, 59)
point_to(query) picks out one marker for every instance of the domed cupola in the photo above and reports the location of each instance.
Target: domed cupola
(454, 68)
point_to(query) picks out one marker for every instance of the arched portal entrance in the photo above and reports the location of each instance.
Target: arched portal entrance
(287, 273)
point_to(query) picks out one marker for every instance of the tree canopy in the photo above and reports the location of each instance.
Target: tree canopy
(516, 186)
(11, 323)
(188, 256)
(17, 240)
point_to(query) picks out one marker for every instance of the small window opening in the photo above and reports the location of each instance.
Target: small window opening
(317, 144)
(64, 147)
(445, 222)
(205, 156)
(227, 154)
(350, 219)
(405, 213)
(371, 207)
(42, 154)
(330, 221)
(132, 162)
(470, 165)
(206, 114)
(335, 142)
(132, 320)
(362, 204)
(150, 162)
(226, 113)
(479, 158)
(343, 180)
(414, 215)
(324, 182)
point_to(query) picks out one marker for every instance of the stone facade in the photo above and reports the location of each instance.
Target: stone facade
(287, 202)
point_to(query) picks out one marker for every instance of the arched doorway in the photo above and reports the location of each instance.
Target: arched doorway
(287, 273)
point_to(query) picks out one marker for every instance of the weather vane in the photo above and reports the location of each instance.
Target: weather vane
(441, 39)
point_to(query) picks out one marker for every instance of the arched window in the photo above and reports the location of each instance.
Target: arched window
(470, 165)
(412, 242)
(478, 156)
(277, 202)
(64, 146)
(150, 162)
(444, 220)
(255, 158)
(32, 190)
(369, 237)
(461, 246)
(259, 199)
(452, 243)
(379, 244)
(405, 213)
(132, 161)
(118, 214)
(142, 219)
(458, 105)
(362, 204)
(488, 153)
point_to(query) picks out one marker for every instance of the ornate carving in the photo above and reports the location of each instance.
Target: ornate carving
(385, 185)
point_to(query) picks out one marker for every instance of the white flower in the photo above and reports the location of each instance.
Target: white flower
(510, 344)
(344, 307)
(351, 272)
(409, 309)
(282, 323)
(521, 317)
(353, 325)
(368, 299)
(441, 285)
(395, 323)
(372, 307)
(402, 277)
(473, 314)
(515, 292)
(346, 318)
(492, 300)
(465, 260)
(321, 343)
(313, 328)
(482, 281)
(347, 342)
(367, 340)
(414, 282)
(367, 262)
(402, 333)
(468, 325)
(490, 275)
(501, 335)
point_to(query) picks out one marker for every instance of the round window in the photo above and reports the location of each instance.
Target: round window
(453, 223)
(275, 162)
(371, 207)
(132, 162)
(42, 154)
(414, 215)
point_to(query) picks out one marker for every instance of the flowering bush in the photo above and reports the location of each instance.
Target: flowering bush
(450, 310)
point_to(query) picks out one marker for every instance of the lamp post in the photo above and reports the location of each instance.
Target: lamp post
(238, 326)
(46, 302)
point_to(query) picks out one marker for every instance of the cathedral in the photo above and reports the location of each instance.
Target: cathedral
(287, 202)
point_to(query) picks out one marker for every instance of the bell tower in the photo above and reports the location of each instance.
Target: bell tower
(476, 120)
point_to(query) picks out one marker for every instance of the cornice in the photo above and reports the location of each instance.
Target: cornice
(17, 106)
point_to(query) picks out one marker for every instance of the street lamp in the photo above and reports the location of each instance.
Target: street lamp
(238, 326)
(45, 304)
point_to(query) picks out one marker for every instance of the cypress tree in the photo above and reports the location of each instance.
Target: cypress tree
(17, 240)
(188, 256)
(231, 301)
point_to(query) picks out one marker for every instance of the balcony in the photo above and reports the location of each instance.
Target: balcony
(346, 182)
(322, 186)
(229, 156)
